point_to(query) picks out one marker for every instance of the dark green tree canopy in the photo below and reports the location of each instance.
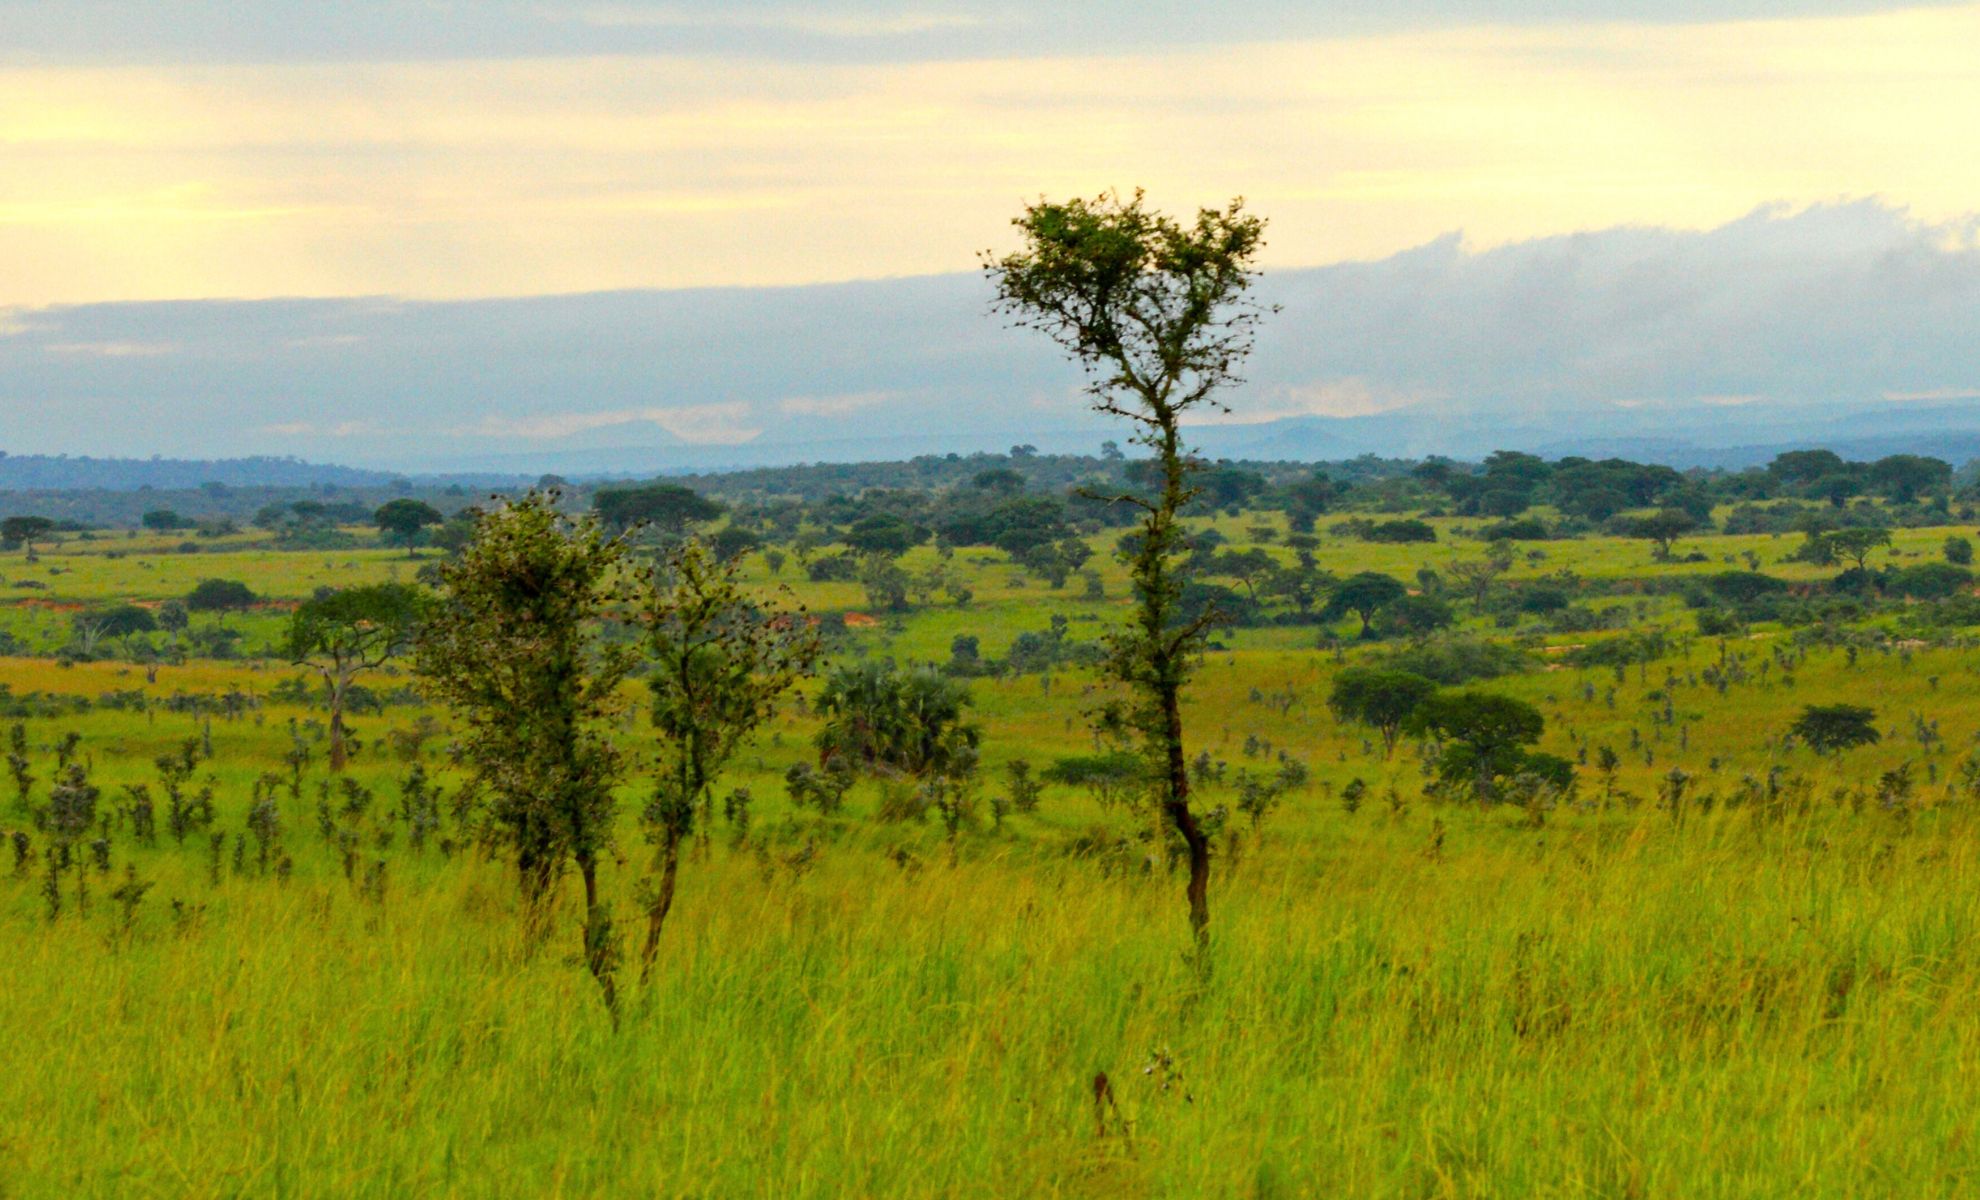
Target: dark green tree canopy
(402, 520)
(1829, 728)
(364, 625)
(909, 720)
(1384, 699)
(668, 507)
(124, 620)
(25, 531)
(1364, 595)
(883, 533)
(219, 595)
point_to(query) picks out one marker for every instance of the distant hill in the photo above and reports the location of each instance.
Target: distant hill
(39, 472)
(73, 473)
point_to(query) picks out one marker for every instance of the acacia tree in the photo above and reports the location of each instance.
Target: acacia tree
(1156, 312)
(403, 520)
(720, 660)
(25, 531)
(1832, 728)
(1385, 700)
(342, 633)
(512, 646)
(1364, 594)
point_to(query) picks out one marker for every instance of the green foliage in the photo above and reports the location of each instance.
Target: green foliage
(668, 507)
(1457, 660)
(1156, 313)
(512, 648)
(907, 720)
(1832, 728)
(1384, 700)
(219, 595)
(346, 632)
(1364, 594)
(402, 521)
(1486, 733)
(719, 660)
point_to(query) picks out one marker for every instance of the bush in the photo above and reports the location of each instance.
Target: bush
(1457, 660)
(219, 595)
(1929, 581)
(1526, 529)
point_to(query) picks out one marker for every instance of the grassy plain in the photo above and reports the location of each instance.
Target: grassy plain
(1732, 996)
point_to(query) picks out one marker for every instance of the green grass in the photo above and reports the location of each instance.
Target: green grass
(1413, 999)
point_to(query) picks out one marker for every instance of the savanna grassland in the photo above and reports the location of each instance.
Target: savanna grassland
(1719, 964)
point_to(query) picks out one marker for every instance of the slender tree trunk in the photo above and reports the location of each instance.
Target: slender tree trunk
(668, 859)
(1167, 673)
(1180, 815)
(338, 688)
(600, 953)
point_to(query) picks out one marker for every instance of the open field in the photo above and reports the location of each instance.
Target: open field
(1754, 981)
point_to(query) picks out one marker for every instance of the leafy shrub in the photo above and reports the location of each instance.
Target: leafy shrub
(1457, 660)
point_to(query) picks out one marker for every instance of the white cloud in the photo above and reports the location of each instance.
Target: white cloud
(787, 20)
(1933, 394)
(340, 429)
(721, 424)
(111, 349)
(1348, 396)
(834, 406)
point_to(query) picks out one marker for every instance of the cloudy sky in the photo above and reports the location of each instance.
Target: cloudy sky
(387, 155)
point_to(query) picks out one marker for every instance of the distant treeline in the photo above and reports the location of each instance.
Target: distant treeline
(1504, 485)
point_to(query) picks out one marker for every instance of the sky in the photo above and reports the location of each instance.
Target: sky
(456, 158)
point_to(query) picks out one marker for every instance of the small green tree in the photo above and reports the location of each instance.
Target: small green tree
(1660, 529)
(720, 661)
(512, 646)
(402, 521)
(219, 596)
(1832, 728)
(124, 622)
(1156, 312)
(1364, 595)
(341, 634)
(25, 531)
(1385, 700)
(1856, 544)
(1487, 732)
(906, 721)
(668, 507)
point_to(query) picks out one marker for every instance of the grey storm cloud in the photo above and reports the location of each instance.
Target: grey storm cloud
(1831, 309)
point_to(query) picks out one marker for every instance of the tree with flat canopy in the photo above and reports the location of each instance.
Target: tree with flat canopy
(1156, 312)
(25, 531)
(343, 633)
(1363, 594)
(668, 507)
(403, 520)
(1856, 543)
(1385, 700)
(1660, 529)
(1833, 728)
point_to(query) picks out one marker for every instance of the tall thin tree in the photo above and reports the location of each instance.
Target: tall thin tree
(1157, 313)
(720, 660)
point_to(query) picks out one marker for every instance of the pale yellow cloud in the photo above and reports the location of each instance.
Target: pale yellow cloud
(480, 178)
